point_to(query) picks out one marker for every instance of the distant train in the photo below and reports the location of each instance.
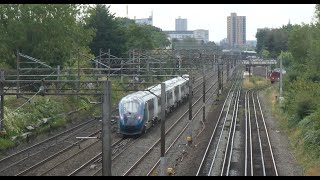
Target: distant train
(141, 110)
(275, 76)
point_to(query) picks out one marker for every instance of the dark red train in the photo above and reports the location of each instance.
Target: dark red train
(275, 76)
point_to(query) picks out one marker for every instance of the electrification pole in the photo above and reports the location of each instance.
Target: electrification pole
(106, 138)
(163, 116)
(1, 98)
(280, 80)
(204, 93)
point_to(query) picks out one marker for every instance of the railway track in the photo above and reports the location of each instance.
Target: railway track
(239, 144)
(259, 159)
(217, 144)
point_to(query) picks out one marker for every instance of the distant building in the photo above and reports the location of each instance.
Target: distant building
(252, 43)
(224, 44)
(201, 34)
(236, 30)
(263, 29)
(181, 24)
(146, 21)
(179, 34)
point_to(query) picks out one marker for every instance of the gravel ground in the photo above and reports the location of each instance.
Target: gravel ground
(193, 156)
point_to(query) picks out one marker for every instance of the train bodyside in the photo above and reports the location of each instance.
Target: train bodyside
(141, 110)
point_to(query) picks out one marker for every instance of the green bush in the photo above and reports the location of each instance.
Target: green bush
(6, 144)
(305, 107)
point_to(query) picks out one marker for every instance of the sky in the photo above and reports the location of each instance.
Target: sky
(213, 17)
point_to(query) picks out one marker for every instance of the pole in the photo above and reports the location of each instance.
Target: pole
(228, 59)
(222, 63)
(266, 71)
(148, 70)
(219, 77)
(106, 139)
(280, 78)
(78, 88)
(58, 79)
(204, 93)
(2, 98)
(121, 71)
(109, 64)
(189, 138)
(100, 60)
(163, 116)
(214, 61)
(71, 62)
(18, 73)
(161, 63)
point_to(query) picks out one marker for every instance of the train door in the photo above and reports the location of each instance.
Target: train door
(159, 106)
(146, 112)
(180, 95)
(173, 96)
(167, 96)
(155, 104)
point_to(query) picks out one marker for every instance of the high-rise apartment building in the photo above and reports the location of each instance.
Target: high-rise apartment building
(181, 24)
(236, 30)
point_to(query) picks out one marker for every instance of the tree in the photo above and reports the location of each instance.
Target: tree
(109, 33)
(159, 38)
(299, 43)
(45, 31)
(265, 54)
(273, 40)
(146, 37)
(317, 13)
(261, 38)
(287, 58)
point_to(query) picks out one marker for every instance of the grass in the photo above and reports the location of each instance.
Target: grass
(6, 144)
(307, 158)
(254, 82)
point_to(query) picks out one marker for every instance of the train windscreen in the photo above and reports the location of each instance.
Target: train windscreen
(131, 107)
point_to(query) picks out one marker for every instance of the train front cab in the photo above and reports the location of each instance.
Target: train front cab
(131, 117)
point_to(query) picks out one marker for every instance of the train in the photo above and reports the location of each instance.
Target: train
(139, 111)
(275, 76)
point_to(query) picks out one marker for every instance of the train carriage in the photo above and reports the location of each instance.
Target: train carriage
(141, 110)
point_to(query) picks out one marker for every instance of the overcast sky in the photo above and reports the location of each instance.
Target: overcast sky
(213, 17)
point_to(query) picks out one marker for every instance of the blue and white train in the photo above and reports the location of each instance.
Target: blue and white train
(141, 110)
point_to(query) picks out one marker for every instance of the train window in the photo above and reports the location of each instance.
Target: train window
(131, 107)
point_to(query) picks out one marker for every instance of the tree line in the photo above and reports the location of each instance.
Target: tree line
(50, 31)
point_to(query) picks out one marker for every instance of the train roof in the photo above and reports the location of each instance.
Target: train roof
(155, 90)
